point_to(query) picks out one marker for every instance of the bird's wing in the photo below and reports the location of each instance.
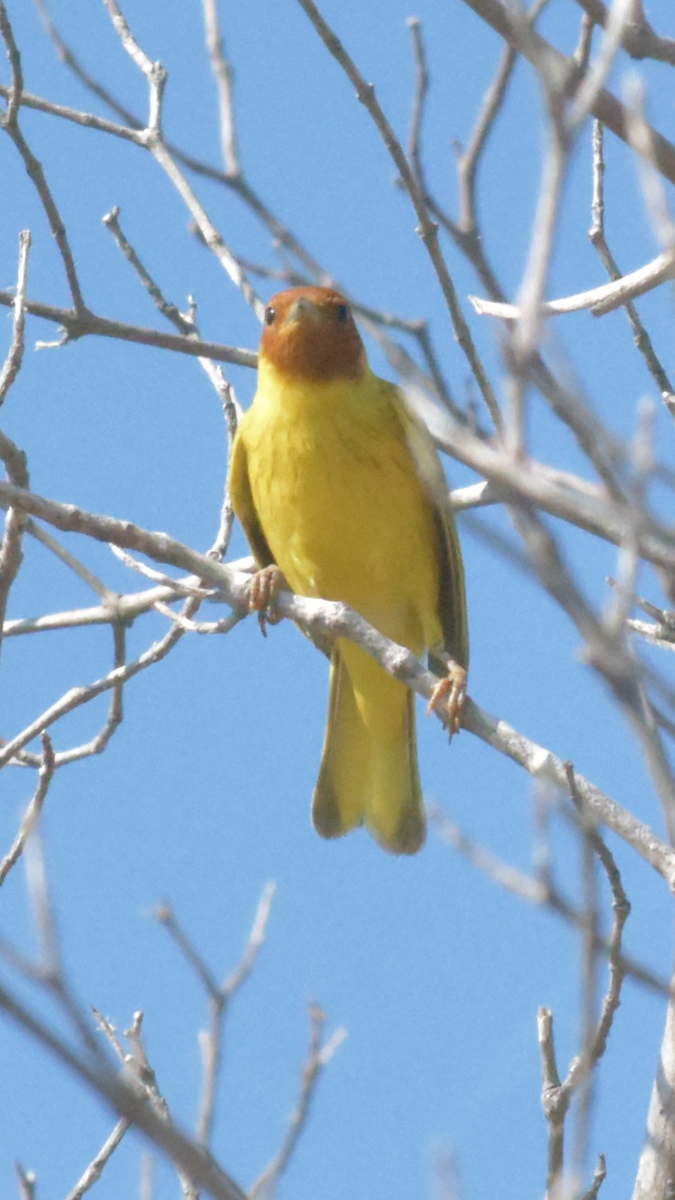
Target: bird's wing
(452, 594)
(242, 503)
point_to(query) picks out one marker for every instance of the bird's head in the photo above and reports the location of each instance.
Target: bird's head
(310, 332)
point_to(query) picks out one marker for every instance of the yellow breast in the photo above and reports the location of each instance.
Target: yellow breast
(337, 494)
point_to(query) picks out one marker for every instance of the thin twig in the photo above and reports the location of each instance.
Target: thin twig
(12, 364)
(186, 325)
(27, 1181)
(421, 90)
(83, 572)
(185, 587)
(621, 909)
(183, 323)
(320, 1053)
(599, 1176)
(599, 240)
(237, 183)
(166, 917)
(557, 1095)
(536, 49)
(147, 1189)
(428, 230)
(591, 84)
(555, 1101)
(9, 122)
(638, 38)
(110, 1032)
(14, 459)
(97, 1165)
(219, 996)
(600, 300)
(137, 1061)
(541, 891)
(152, 138)
(86, 323)
(32, 814)
(222, 73)
(197, 1163)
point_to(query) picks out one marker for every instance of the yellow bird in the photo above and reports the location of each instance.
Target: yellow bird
(338, 485)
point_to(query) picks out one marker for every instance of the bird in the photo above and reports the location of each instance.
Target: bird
(342, 496)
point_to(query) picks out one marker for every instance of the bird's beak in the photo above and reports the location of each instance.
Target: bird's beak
(301, 309)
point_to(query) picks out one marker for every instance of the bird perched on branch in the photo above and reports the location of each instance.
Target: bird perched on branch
(338, 486)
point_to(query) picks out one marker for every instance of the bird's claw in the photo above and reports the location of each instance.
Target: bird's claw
(263, 591)
(449, 698)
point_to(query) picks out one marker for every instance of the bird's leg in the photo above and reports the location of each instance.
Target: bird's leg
(262, 595)
(449, 696)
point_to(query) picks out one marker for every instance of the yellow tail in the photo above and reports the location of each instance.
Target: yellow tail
(369, 765)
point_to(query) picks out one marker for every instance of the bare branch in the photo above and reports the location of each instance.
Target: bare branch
(9, 122)
(469, 161)
(638, 38)
(108, 1029)
(32, 814)
(152, 138)
(428, 230)
(219, 997)
(621, 909)
(12, 364)
(619, 19)
(183, 324)
(555, 1100)
(154, 71)
(254, 944)
(320, 1054)
(76, 697)
(421, 89)
(222, 73)
(11, 553)
(166, 917)
(187, 326)
(27, 1182)
(96, 1167)
(124, 1098)
(123, 610)
(536, 49)
(137, 1061)
(323, 618)
(541, 891)
(544, 765)
(83, 572)
(599, 1176)
(599, 240)
(656, 1170)
(235, 182)
(178, 587)
(599, 300)
(82, 324)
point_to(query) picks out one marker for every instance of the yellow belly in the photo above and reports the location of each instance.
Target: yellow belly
(338, 497)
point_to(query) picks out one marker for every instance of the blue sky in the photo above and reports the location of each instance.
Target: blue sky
(203, 794)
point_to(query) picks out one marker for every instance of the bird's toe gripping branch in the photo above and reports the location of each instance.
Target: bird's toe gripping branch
(263, 591)
(449, 697)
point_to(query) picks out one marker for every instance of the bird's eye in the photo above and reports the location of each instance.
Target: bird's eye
(342, 313)
(270, 315)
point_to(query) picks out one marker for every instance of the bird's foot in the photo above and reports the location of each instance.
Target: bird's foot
(263, 591)
(449, 697)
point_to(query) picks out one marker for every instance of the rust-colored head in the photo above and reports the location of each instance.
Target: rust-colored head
(310, 332)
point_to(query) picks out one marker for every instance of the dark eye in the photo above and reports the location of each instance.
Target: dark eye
(342, 313)
(270, 315)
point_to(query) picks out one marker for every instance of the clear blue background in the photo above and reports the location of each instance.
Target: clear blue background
(203, 794)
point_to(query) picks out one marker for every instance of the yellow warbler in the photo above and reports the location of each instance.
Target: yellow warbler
(338, 485)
